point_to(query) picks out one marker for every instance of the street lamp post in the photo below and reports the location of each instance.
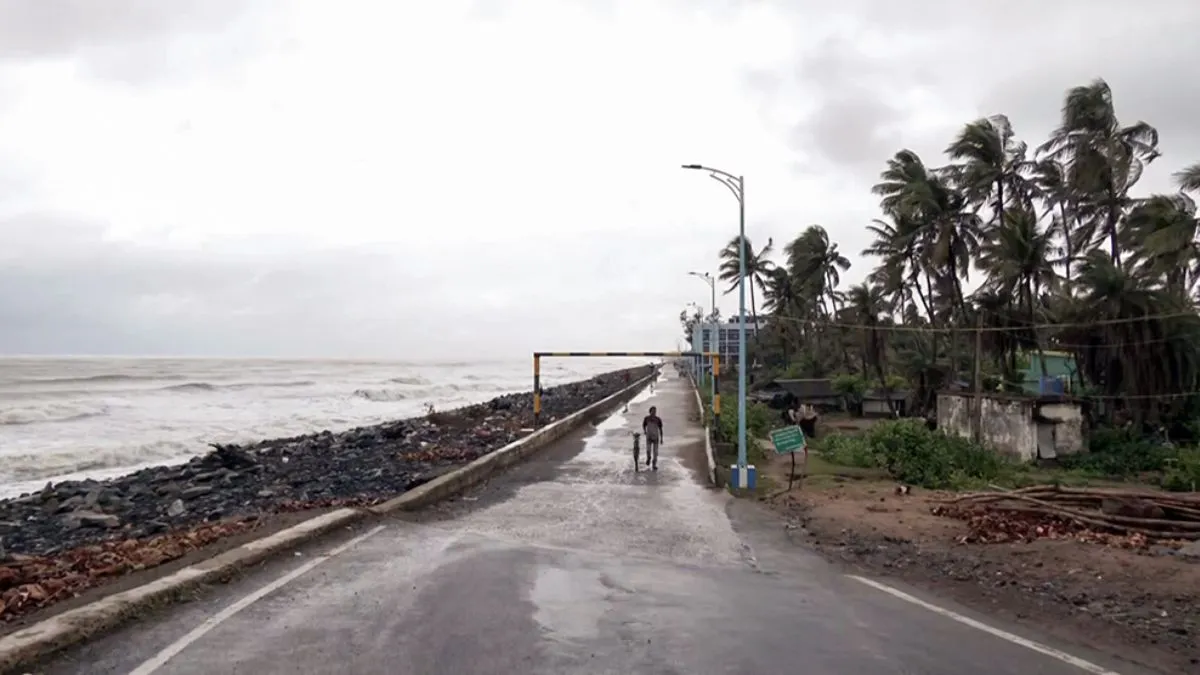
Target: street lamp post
(715, 344)
(743, 473)
(697, 363)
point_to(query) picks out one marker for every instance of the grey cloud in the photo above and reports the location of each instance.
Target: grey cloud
(64, 287)
(1018, 58)
(849, 127)
(38, 28)
(850, 114)
(67, 288)
(132, 40)
(1152, 80)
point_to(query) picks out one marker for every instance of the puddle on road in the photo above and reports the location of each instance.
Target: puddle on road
(569, 603)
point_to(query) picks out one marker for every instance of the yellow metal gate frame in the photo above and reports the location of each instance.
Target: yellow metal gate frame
(537, 374)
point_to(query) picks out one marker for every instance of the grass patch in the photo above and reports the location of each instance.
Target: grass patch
(757, 455)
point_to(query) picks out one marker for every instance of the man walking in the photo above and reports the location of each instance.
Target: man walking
(652, 426)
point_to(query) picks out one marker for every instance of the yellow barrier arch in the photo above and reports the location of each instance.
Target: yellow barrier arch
(537, 373)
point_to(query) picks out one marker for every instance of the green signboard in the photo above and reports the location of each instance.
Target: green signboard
(788, 440)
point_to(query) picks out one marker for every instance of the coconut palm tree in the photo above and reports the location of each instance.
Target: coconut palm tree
(1050, 185)
(1189, 178)
(758, 267)
(1071, 258)
(991, 166)
(867, 304)
(1104, 159)
(1161, 233)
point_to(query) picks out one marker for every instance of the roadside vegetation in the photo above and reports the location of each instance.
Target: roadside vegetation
(909, 452)
(986, 261)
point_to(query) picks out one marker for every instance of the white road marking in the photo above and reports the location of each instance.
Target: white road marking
(1003, 635)
(172, 650)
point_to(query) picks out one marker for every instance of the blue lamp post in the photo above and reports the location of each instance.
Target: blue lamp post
(743, 474)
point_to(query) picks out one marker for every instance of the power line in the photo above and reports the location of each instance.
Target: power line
(902, 328)
(1126, 397)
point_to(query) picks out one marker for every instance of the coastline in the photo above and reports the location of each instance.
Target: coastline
(74, 535)
(102, 418)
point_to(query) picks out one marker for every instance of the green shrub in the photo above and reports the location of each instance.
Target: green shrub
(914, 454)
(759, 421)
(1120, 453)
(1183, 472)
(845, 450)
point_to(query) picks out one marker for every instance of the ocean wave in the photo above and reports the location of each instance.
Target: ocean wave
(381, 395)
(105, 377)
(51, 412)
(411, 379)
(61, 462)
(237, 386)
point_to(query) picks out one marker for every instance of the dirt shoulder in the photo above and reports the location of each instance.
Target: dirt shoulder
(1141, 603)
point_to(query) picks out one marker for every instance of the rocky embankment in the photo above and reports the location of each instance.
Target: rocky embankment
(72, 523)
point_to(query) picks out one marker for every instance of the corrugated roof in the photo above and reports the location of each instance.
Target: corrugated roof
(807, 388)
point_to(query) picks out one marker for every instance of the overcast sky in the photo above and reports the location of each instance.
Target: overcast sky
(489, 177)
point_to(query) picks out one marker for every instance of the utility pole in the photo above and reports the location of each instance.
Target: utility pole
(977, 399)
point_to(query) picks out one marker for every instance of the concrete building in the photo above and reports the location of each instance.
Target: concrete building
(724, 339)
(1022, 427)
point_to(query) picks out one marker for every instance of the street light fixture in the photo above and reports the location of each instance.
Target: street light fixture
(715, 343)
(743, 473)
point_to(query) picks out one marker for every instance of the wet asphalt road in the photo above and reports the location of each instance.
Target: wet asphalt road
(572, 563)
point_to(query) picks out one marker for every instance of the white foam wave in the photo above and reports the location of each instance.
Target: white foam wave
(51, 411)
(381, 395)
(409, 379)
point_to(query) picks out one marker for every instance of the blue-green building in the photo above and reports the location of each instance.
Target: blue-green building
(1061, 373)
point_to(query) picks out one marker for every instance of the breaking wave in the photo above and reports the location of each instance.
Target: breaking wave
(410, 379)
(208, 386)
(381, 395)
(51, 412)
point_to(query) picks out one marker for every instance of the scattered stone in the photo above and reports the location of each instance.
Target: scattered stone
(176, 508)
(90, 519)
(197, 491)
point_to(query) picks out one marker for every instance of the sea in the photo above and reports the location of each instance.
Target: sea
(86, 417)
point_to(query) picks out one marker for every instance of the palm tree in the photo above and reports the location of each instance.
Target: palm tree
(758, 267)
(815, 263)
(993, 165)
(1019, 261)
(1162, 232)
(1104, 159)
(900, 270)
(1050, 184)
(945, 229)
(1189, 178)
(866, 304)
(1071, 258)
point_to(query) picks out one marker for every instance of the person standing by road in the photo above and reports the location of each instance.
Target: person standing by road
(652, 427)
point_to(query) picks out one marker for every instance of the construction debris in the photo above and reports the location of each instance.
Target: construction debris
(30, 582)
(1125, 518)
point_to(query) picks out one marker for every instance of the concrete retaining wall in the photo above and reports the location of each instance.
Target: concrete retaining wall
(708, 448)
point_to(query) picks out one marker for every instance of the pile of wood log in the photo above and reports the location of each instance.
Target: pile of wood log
(1143, 516)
